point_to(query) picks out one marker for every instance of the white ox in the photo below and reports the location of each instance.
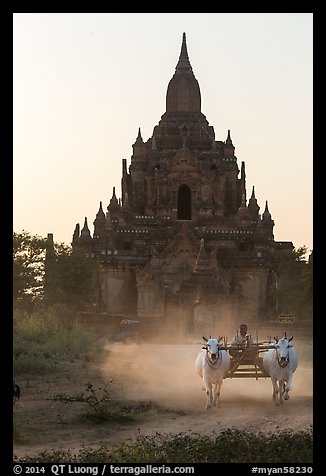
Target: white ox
(212, 364)
(280, 362)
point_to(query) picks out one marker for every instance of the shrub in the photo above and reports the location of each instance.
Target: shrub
(230, 446)
(99, 406)
(44, 338)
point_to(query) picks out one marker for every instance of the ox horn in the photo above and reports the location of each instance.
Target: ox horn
(285, 334)
(290, 339)
(276, 339)
(205, 339)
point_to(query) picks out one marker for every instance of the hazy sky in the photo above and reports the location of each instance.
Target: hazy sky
(84, 82)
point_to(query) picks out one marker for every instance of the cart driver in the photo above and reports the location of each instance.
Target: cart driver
(240, 340)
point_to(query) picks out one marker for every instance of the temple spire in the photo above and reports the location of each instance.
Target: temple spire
(76, 234)
(266, 215)
(267, 220)
(229, 147)
(139, 137)
(100, 213)
(113, 207)
(253, 206)
(85, 233)
(228, 139)
(183, 65)
(183, 94)
(99, 222)
(113, 201)
(84, 239)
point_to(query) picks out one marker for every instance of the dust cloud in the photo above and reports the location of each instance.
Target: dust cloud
(161, 373)
(165, 374)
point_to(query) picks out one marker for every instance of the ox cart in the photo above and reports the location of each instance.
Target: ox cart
(218, 360)
(247, 361)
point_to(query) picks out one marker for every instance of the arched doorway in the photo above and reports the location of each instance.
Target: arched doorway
(184, 203)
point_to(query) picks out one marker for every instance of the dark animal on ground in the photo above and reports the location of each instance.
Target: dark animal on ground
(16, 395)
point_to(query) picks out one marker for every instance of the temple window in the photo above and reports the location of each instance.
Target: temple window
(184, 203)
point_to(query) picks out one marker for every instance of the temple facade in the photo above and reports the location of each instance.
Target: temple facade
(184, 250)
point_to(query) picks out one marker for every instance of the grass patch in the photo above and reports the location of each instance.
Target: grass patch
(230, 446)
(41, 340)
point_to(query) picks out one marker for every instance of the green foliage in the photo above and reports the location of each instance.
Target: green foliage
(307, 281)
(44, 338)
(295, 281)
(230, 446)
(46, 273)
(73, 278)
(59, 456)
(28, 267)
(100, 407)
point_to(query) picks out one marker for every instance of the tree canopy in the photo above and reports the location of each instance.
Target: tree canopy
(295, 283)
(28, 266)
(45, 275)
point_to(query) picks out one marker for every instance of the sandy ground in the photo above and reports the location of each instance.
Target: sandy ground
(164, 375)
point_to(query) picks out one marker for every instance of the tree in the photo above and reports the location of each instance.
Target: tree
(70, 277)
(50, 273)
(28, 267)
(294, 289)
(307, 279)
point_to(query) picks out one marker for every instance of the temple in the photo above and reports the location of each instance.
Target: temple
(184, 250)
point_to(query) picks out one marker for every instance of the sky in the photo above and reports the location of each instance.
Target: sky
(83, 83)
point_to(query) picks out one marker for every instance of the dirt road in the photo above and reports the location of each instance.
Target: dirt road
(165, 376)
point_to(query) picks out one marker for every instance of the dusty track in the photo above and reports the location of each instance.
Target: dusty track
(163, 374)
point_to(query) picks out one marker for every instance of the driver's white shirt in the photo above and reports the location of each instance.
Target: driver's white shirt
(238, 339)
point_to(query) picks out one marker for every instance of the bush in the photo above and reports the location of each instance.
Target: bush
(44, 338)
(100, 408)
(230, 446)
